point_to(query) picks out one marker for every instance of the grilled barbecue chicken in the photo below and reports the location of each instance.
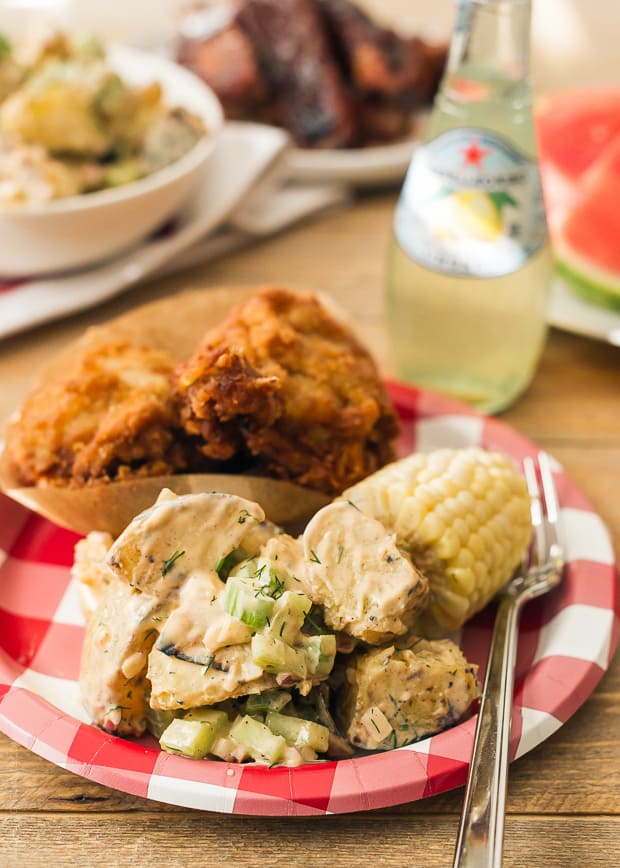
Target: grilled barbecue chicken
(323, 69)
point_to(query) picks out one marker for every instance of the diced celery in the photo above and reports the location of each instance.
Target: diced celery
(288, 618)
(299, 732)
(274, 655)
(248, 604)
(260, 741)
(320, 654)
(269, 700)
(191, 738)
(157, 721)
(215, 717)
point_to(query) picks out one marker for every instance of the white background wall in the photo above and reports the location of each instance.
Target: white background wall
(574, 42)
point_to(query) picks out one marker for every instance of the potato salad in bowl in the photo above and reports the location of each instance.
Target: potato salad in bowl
(100, 146)
(70, 123)
(226, 637)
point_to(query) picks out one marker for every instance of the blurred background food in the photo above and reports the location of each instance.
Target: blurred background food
(339, 74)
(70, 124)
(323, 69)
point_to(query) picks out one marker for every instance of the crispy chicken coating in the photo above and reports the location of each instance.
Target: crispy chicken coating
(288, 386)
(108, 415)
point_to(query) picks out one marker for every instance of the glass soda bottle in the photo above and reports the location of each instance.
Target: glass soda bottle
(469, 265)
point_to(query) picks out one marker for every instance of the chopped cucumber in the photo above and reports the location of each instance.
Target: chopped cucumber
(320, 654)
(288, 618)
(259, 740)
(269, 700)
(274, 655)
(192, 738)
(215, 717)
(246, 603)
(299, 732)
(157, 721)
(193, 735)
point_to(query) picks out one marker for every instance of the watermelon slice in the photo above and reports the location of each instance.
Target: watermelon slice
(575, 127)
(587, 245)
(579, 143)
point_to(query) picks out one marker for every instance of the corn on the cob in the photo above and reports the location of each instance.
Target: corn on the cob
(464, 517)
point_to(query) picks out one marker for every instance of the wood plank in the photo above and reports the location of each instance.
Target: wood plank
(331, 842)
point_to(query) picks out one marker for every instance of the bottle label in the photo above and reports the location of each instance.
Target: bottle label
(471, 205)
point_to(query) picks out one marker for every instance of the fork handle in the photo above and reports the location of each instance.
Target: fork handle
(481, 830)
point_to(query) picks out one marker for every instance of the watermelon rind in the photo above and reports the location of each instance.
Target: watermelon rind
(593, 283)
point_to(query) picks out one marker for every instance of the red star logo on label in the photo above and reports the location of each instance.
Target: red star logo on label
(473, 154)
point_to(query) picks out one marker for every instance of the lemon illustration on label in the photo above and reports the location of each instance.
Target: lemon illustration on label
(469, 214)
(477, 215)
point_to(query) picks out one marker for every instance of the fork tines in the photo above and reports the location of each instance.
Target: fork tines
(545, 508)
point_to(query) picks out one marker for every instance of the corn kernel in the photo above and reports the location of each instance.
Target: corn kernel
(431, 528)
(464, 579)
(448, 545)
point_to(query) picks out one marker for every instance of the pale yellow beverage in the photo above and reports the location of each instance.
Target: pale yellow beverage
(478, 340)
(469, 265)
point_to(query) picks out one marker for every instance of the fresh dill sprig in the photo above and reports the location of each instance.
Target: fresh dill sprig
(170, 562)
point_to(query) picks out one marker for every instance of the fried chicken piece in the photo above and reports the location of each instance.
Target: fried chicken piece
(108, 415)
(282, 381)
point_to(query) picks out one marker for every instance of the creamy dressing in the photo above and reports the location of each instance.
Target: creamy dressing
(355, 570)
(163, 569)
(117, 642)
(199, 625)
(285, 555)
(90, 570)
(179, 684)
(177, 538)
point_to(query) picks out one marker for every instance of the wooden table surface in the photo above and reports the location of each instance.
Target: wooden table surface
(564, 797)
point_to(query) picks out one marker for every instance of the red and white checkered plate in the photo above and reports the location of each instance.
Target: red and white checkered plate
(567, 639)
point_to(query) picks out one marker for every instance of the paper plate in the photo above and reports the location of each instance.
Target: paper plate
(567, 639)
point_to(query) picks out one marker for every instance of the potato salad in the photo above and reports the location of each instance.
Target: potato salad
(69, 124)
(226, 637)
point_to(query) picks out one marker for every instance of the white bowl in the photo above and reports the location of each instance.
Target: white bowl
(69, 233)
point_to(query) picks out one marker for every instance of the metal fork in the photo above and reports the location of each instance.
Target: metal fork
(481, 830)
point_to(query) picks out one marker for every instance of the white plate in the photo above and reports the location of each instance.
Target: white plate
(571, 313)
(363, 167)
(383, 164)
